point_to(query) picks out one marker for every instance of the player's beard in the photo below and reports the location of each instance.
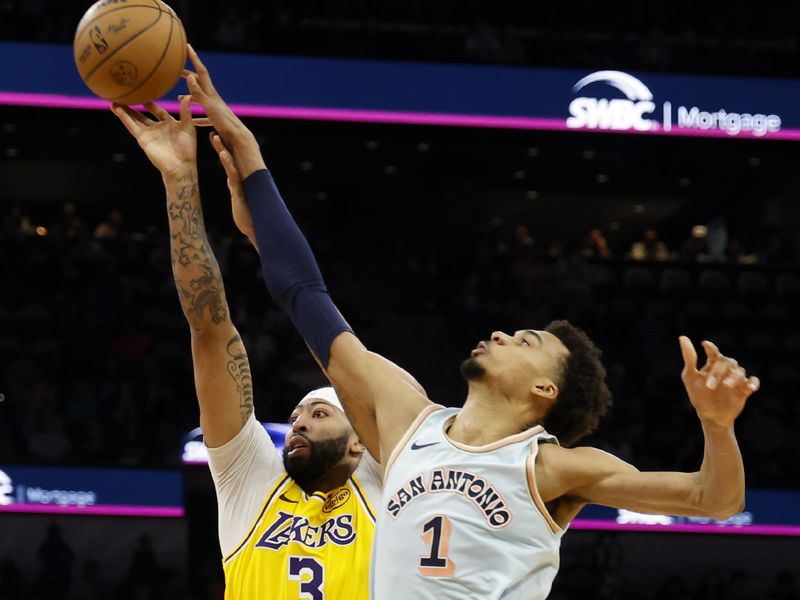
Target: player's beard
(472, 370)
(322, 455)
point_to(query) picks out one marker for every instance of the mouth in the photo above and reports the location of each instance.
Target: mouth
(479, 349)
(297, 445)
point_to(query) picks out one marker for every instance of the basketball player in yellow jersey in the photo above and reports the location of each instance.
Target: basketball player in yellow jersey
(296, 526)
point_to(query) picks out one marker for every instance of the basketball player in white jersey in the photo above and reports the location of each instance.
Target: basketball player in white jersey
(476, 499)
(298, 525)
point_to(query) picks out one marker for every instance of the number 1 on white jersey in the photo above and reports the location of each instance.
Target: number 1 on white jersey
(436, 534)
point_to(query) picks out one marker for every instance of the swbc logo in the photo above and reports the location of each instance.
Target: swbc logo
(636, 111)
(618, 114)
(6, 490)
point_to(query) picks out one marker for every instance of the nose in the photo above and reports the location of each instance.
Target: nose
(300, 424)
(498, 337)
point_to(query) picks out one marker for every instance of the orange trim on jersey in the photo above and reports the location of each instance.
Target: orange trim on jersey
(407, 435)
(512, 439)
(530, 465)
(281, 484)
(363, 498)
(442, 551)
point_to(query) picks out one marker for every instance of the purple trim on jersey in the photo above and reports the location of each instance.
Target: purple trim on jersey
(363, 497)
(261, 514)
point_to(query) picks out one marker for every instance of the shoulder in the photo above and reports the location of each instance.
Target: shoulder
(576, 460)
(561, 470)
(369, 477)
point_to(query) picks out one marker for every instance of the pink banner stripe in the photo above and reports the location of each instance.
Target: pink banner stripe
(380, 116)
(599, 525)
(100, 509)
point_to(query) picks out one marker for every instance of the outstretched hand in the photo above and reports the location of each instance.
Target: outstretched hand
(718, 391)
(169, 143)
(241, 212)
(240, 141)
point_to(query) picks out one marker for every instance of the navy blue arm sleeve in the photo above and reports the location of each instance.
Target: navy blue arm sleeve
(290, 271)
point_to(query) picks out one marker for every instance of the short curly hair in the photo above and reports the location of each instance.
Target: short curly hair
(583, 396)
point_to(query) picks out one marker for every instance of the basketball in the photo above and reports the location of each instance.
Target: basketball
(130, 52)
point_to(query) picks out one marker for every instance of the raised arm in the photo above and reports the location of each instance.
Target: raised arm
(718, 393)
(221, 369)
(380, 398)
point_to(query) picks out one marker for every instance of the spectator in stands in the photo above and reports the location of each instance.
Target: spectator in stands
(737, 253)
(69, 227)
(712, 587)
(595, 245)
(90, 584)
(55, 557)
(16, 225)
(482, 45)
(111, 228)
(144, 568)
(13, 585)
(784, 588)
(48, 442)
(697, 248)
(740, 586)
(649, 247)
(776, 252)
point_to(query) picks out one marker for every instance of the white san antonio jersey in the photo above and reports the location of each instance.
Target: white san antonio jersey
(460, 521)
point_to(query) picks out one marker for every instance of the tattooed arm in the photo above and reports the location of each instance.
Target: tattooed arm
(221, 369)
(225, 397)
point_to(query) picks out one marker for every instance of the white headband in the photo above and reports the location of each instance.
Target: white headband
(325, 394)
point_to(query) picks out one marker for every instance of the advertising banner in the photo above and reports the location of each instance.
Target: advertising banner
(446, 94)
(63, 490)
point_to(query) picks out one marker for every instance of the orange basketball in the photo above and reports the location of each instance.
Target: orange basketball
(130, 51)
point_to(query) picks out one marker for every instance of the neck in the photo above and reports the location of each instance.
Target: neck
(489, 416)
(335, 477)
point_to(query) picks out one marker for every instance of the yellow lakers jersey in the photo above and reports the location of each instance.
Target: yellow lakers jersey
(311, 547)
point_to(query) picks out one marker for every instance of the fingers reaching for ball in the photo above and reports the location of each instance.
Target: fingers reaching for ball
(158, 112)
(132, 119)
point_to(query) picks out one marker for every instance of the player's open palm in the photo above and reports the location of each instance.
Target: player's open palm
(719, 390)
(168, 143)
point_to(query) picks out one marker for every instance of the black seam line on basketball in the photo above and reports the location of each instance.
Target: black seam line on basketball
(155, 68)
(263, 510)
(133, 37)
(112, 10)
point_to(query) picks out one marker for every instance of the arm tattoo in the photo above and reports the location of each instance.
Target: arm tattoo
(239, 370)
(192, 257)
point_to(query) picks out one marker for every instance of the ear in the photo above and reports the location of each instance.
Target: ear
(545, 388)
(356, 448)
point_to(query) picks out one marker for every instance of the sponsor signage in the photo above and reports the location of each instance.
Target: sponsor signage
(446, 94)
(120, 492)
(196, 453)
(767, 512)
(617, 101)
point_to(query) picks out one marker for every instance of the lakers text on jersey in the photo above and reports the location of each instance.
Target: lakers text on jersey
(314, 546)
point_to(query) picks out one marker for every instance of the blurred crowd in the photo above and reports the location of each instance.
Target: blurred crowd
(594, 567)
(64, 573)
(95, 358)
(582, 34)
